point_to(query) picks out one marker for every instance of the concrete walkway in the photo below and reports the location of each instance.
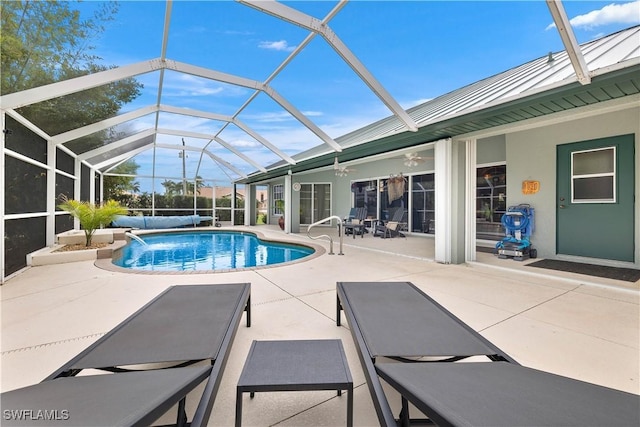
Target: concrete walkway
(577, 326)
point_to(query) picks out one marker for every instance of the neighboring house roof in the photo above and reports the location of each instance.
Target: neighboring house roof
(543, 86)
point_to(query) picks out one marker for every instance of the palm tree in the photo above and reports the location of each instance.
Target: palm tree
(92, 216)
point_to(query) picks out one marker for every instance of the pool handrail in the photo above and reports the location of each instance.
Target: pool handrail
(337, 218)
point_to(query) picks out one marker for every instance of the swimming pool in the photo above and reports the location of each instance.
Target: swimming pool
(205, 251)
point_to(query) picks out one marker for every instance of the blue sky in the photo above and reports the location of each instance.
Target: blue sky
(417, 50)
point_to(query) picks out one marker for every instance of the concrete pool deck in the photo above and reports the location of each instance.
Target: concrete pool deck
(578, 326)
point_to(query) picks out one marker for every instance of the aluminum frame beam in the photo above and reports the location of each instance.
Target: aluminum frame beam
(61, 138)
(569, 40)
(116, 144)
(225, 163)
(263, 141)
(310, 23)
(123, 156)
(262, 87)
(219, 140)
(78, 84)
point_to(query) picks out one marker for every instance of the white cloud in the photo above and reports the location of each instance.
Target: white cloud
(245, 143)
(615, 13)
(281, 45)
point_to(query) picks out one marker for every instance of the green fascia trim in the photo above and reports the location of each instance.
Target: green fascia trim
(628, 78)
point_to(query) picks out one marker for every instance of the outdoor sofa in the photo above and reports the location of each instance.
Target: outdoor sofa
(149, 355)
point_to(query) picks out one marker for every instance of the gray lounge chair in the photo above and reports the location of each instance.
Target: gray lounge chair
(378, 311)
(397, 321)
(506, 394)
(124, 399)
(184, 325)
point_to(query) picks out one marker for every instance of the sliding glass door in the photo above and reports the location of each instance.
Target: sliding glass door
(315, 202)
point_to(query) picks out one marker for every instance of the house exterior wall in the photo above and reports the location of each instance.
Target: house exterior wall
(531, 155)
(491, 150)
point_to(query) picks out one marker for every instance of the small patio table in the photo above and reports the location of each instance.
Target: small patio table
(354, 229)
(295, 366)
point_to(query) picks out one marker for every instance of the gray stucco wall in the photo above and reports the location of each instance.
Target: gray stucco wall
(491, 150)
(531, 155)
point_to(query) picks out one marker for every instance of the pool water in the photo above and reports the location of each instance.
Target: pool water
(210, 250)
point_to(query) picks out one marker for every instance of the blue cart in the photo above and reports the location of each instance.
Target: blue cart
(518, 224)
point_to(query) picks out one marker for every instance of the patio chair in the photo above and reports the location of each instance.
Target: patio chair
(356, 225)
(350, 216)
(377, 311)
(392, 227)
(184, 325)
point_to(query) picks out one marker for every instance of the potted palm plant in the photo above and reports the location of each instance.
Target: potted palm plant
(91, 216)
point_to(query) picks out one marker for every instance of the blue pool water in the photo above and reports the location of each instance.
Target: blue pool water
(206, 250)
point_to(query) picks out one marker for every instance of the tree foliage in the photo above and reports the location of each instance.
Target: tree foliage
(116, 186)
(173, 188)
(43, 42)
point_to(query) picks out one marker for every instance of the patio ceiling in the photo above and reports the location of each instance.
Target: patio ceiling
(163, 127)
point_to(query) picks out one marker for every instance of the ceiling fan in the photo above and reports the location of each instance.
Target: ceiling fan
(413, 159)
(341, 170)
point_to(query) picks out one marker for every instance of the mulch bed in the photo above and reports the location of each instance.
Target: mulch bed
(81, 247)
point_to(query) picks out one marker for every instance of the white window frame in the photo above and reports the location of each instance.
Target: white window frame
(594, 175)
(277, 193)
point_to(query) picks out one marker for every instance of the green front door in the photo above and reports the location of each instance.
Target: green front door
(595, 198)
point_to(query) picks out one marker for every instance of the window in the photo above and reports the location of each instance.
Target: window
(491, 201)
(593, 176)
(365, 194)
(423, 203)
(278, 194)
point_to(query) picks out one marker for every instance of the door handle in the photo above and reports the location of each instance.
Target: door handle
(561, 206)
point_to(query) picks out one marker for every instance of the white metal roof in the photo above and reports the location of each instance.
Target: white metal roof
(608, 53)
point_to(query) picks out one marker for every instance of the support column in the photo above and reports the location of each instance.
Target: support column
(51, 194)
(458, 201)
(288, 202)
(102, 188)
(470, 200)
(213, 202)
(234, 195)
(2, 187)
(250, 208)
(442, 184)
(92, 185)
(77, 184)
(450, 192)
